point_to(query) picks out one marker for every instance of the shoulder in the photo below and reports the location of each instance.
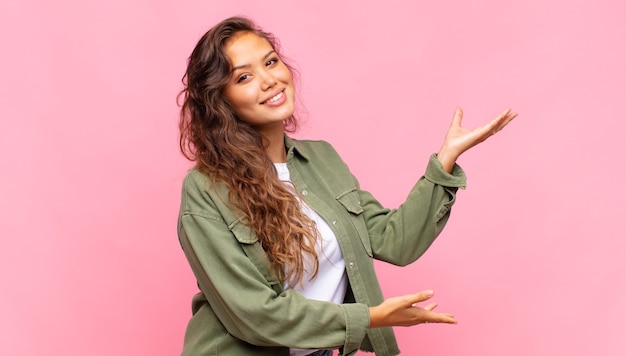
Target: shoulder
(199, 193)
(320, 160)
(195, 181)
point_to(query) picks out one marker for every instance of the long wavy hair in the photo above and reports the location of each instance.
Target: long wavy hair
(230, 151)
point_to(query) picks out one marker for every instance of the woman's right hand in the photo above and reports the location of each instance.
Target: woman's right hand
(403, 311)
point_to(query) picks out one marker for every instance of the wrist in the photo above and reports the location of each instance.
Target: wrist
(447, 159)
(374, 317)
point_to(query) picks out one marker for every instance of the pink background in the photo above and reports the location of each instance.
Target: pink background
(532, 262)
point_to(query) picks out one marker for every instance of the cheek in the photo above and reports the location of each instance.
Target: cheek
(285, 74)
(288, 76)
(240, 97)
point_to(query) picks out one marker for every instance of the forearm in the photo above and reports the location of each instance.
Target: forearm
(250, 309)
(401, 235)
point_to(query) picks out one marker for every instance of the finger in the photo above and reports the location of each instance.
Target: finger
(501, 117)
(443, 318)
(458, 116)
(448, 315)
(445, 321)
(430, 306)
(419, 297)
(448, 319)
(499, 122)
(505, 112)
(505, 121)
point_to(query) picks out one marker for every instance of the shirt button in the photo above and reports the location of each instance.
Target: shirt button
(305, 192)
(351, 264)
(334, 222)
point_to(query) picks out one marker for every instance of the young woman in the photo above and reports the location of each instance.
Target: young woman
(277, 231)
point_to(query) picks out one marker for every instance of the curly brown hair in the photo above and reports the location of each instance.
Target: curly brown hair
(231, 151)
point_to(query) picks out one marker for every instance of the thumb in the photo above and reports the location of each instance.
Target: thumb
(458, 116)
(421, 296)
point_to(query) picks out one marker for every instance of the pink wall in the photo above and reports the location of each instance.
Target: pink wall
(531, 262)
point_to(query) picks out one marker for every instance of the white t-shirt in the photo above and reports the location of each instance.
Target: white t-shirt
(331, 282)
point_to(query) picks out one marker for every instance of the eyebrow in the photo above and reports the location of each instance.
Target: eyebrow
(248, 65)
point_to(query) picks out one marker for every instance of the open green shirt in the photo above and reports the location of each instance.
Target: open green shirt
(243, 310)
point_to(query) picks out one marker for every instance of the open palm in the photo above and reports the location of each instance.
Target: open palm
(459, 139)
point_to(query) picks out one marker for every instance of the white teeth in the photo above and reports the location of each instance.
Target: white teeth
(274, 98)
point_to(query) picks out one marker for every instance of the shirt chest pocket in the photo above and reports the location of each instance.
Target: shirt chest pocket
(252, 248)
(351, 202)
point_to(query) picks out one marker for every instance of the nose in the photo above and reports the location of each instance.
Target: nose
(268, 81)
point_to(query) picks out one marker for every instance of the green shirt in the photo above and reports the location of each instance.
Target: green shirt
(243, 310)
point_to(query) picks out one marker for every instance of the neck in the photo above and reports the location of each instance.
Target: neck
(276, 146)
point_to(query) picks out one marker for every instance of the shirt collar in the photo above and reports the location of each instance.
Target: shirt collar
(295, 148)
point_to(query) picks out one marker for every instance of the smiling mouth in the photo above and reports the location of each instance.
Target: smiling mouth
(275, 98)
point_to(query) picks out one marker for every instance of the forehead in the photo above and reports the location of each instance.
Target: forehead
(246, 47)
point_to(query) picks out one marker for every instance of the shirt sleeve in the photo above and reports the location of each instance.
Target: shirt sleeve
(242, 297)
(402, 235)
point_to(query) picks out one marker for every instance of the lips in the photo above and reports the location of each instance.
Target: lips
(276, 97)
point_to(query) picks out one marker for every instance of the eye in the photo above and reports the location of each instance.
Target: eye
(242, 78)
(271, 61)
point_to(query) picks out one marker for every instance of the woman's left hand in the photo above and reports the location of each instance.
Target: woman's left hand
(459, 139)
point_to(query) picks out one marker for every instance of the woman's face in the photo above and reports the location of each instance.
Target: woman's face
(260, 88)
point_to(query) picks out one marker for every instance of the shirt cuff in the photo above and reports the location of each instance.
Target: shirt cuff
(357, 317)
(436, 174)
